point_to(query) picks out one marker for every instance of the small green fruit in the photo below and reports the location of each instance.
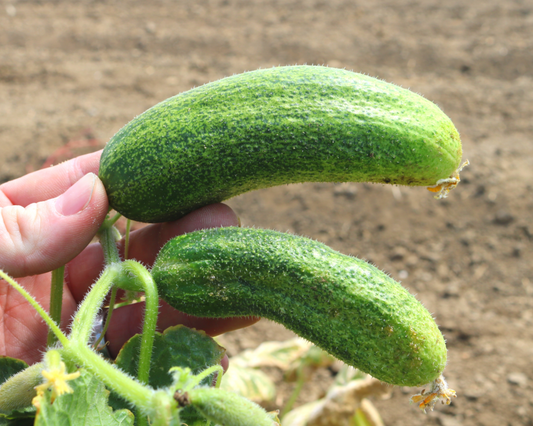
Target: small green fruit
(228, 409)
(342, 304)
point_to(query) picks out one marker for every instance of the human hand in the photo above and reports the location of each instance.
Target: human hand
(47, 219)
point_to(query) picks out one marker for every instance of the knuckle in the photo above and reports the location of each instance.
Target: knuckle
(19, 231)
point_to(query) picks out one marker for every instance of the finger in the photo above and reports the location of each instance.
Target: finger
(127, 321)
(224, 363)
(46, 235)
(145, 244)
(30, 188)
(22, 327)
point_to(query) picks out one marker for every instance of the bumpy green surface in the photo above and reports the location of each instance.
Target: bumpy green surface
(342, 304)
(228, 409)
(271, 127)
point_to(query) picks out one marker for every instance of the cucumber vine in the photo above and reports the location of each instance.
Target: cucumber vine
(154, 406)
(292, 124)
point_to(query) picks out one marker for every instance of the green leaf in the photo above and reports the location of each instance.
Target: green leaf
(23, 417)
(178, 346)
(87, 405)
(250, 383)
(9, 367)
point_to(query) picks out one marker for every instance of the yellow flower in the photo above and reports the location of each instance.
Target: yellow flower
(56, 378)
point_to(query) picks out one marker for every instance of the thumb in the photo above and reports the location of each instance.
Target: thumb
(44, 236)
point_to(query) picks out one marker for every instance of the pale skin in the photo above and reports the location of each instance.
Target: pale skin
(40, 230)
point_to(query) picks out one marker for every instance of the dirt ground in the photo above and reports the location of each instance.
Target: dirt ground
(73, 71)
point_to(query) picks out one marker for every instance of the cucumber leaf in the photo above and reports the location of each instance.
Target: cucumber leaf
(177, 346)
(23, 417)
(87, 405)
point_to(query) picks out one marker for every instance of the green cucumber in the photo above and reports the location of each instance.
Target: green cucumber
(342, 304)
(229, 409)
(271, 127)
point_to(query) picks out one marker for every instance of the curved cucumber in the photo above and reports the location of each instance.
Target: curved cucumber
(342, 304)
(271, 127)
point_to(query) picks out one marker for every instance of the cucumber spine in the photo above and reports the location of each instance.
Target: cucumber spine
(342, 304)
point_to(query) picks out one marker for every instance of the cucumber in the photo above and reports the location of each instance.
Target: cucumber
(228, 408)
(18, 391)
(342, 304)
(272, 127)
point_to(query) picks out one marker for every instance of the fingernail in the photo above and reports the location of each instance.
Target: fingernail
(77, 197)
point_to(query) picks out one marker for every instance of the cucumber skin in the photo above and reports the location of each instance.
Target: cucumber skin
(228, 409)
(342, 304)
(272, 127)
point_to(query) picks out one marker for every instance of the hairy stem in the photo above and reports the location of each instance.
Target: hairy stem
(201, 376)
(147, 283)
(111, 221)
(108, 239)
(77, 350)
(127, 239)
(84, 318)
(56, 300)
(128, 388)
(40, 310)
(112, 299)
(109, 246)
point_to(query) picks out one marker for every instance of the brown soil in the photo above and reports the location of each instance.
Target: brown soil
(77, 70)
